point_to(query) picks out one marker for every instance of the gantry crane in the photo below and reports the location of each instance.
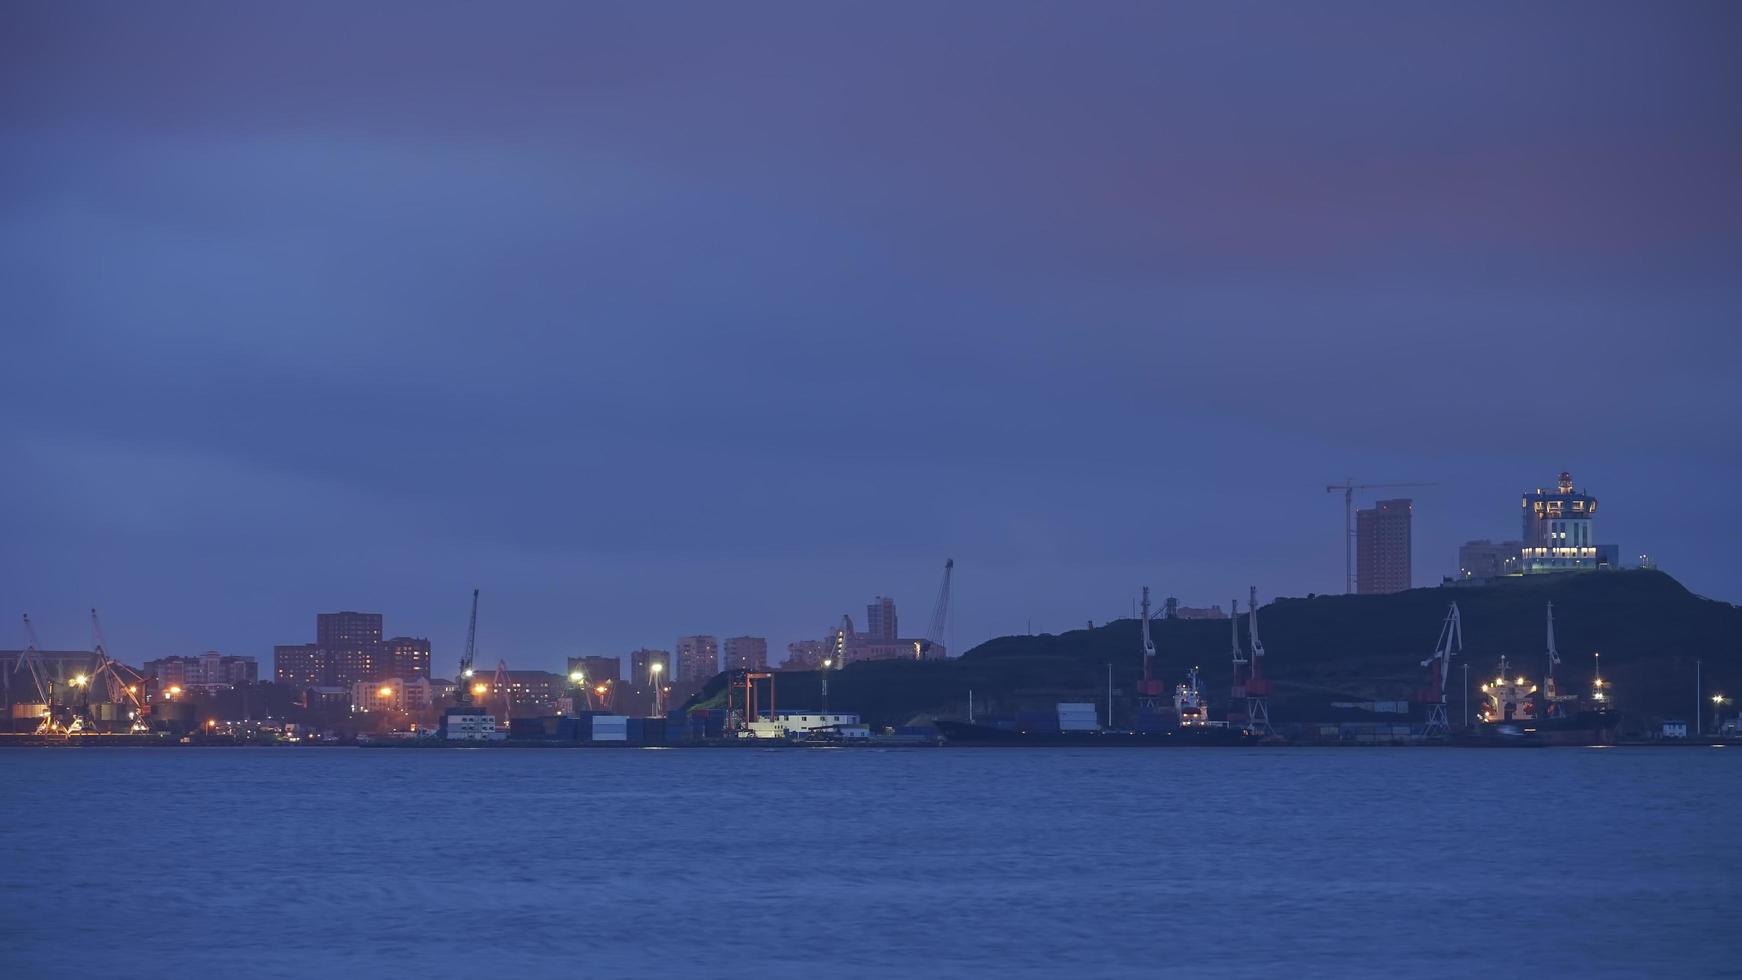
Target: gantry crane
(1349, 486)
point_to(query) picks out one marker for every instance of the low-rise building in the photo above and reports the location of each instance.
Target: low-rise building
(394, 694)
(210, 671)
(1484, 559)
(788, 723)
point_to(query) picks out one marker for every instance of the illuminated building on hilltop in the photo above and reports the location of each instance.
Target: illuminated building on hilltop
(1558, 535)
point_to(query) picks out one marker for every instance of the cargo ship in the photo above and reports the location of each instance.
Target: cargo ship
(1076, 725)
(1517, 709)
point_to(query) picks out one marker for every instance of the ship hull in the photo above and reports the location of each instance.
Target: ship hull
(1583, 728)
(962, 733)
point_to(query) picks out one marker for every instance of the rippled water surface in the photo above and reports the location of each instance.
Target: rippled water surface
(844, 863)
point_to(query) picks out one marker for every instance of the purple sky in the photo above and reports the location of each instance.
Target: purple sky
(652, 319)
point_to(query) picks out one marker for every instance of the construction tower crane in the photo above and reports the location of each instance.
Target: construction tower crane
(1349, 486)
(462, 684)
(1439, 665)
(940, 615)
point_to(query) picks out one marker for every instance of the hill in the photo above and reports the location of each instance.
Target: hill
(1322, 649)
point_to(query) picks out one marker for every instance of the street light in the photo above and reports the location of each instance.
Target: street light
(577, 678)
(653, 670)
(828, 663)
(1718, 702)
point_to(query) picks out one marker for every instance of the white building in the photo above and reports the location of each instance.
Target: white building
(789, 723)
(470, 727)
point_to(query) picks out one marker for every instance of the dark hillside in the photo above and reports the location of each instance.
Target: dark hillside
(1321, 649)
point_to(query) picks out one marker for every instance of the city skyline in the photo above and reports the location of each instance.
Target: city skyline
(571, 308)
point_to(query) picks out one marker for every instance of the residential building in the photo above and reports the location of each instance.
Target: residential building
(403, 656)
(1485, 559)
(880, 620)
(349, 648)
(746, 653)
(641, 663)
(210, 671)
(806, 655)
(527, 690)
(394, 694)
(598, 670)
(1382, 547)
(301, 665)
(698, 658)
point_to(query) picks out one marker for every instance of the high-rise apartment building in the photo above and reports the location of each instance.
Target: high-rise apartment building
(349, 649)
(352, 642)
(1382, 547)
(746, 653)
(642, 661)
(880, 620)
(698, 658)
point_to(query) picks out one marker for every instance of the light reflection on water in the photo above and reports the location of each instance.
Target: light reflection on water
(787, 863)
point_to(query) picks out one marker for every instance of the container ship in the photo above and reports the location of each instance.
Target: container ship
(1515, 708)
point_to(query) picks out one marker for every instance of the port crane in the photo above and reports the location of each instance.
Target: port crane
(1257, 685)
(32, 658)
(1439, 665)
(463, 684)
(1148, 686)
(934, 636)
(1349, 486)
(501, 685)
(118, 689)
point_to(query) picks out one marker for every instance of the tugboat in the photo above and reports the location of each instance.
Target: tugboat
(1517, 708)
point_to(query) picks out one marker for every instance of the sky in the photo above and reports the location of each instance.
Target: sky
(650, 319)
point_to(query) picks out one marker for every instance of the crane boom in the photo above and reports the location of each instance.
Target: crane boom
(463, 690)
(32, 657)
(1349, 486)
(940, 615)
